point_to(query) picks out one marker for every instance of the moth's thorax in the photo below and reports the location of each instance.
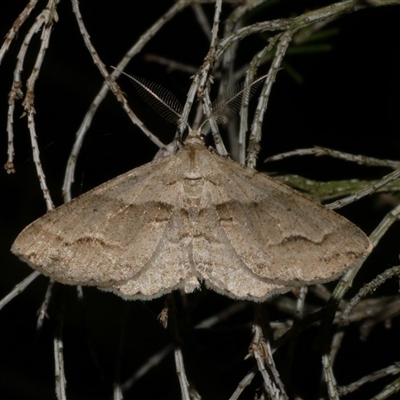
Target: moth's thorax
(193, 160)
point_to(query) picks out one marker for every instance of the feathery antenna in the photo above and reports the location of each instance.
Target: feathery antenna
(169, 107)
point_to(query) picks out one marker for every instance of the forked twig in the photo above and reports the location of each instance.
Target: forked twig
(255, 133)
(261, 351)
(13, 32)
(251, 73)
(43, 22)
(87, 120)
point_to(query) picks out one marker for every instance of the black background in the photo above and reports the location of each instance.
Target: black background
(348, 100)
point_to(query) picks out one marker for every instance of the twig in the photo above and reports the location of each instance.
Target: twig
(347, 279)
(222, 316)
(13, 32)
(255, 134)
(117, 392)
(251, 73)
(261, 351)
(329, 377)
(9, 166)
(19, 288)
(365, 191)
(60, 380)
(205, 80)
(234, 21)
(87, 120)
(45, 20)
(386, 314)
(114, 87)
(297, 324)
(89, 342)
(301, 301)
(390, 389)
(202, 20)
(323, 191)
(303, 20)
(243, 383)
(370, 288)
(341, 155)
(391, 370)
(43, 308)
(160, 355)
(180, 371)
(152, 362)
(49, 17)
(179, 364)
(370, 312)
(171, 65)
(336, 343)
(343, 285)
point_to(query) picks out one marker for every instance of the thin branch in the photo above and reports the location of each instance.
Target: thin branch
(260, 349)
(13, 32)
(171, 65)
(222, 316)
(151, 362)
(87, 120)
(255, 134)
(205, 81)
(117, 392)
(45, 305)
(202, 20)
(365, 191)
(251, 73)
(89, 341)
(180, 371)
(329, 377)
(341, 155)
(303, 20)
(391, 370)
(44, 21)
(370, 288)
(60, 380)
(178, 356)
(243, 384)
(19, 288)
(160, 355)
(113, 86)
(16, 89)
(49, 17)
(330, 190)
(389, 389)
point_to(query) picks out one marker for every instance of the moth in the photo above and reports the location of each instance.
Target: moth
(190, 218)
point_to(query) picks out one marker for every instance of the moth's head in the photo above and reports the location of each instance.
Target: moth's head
(194, 137)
